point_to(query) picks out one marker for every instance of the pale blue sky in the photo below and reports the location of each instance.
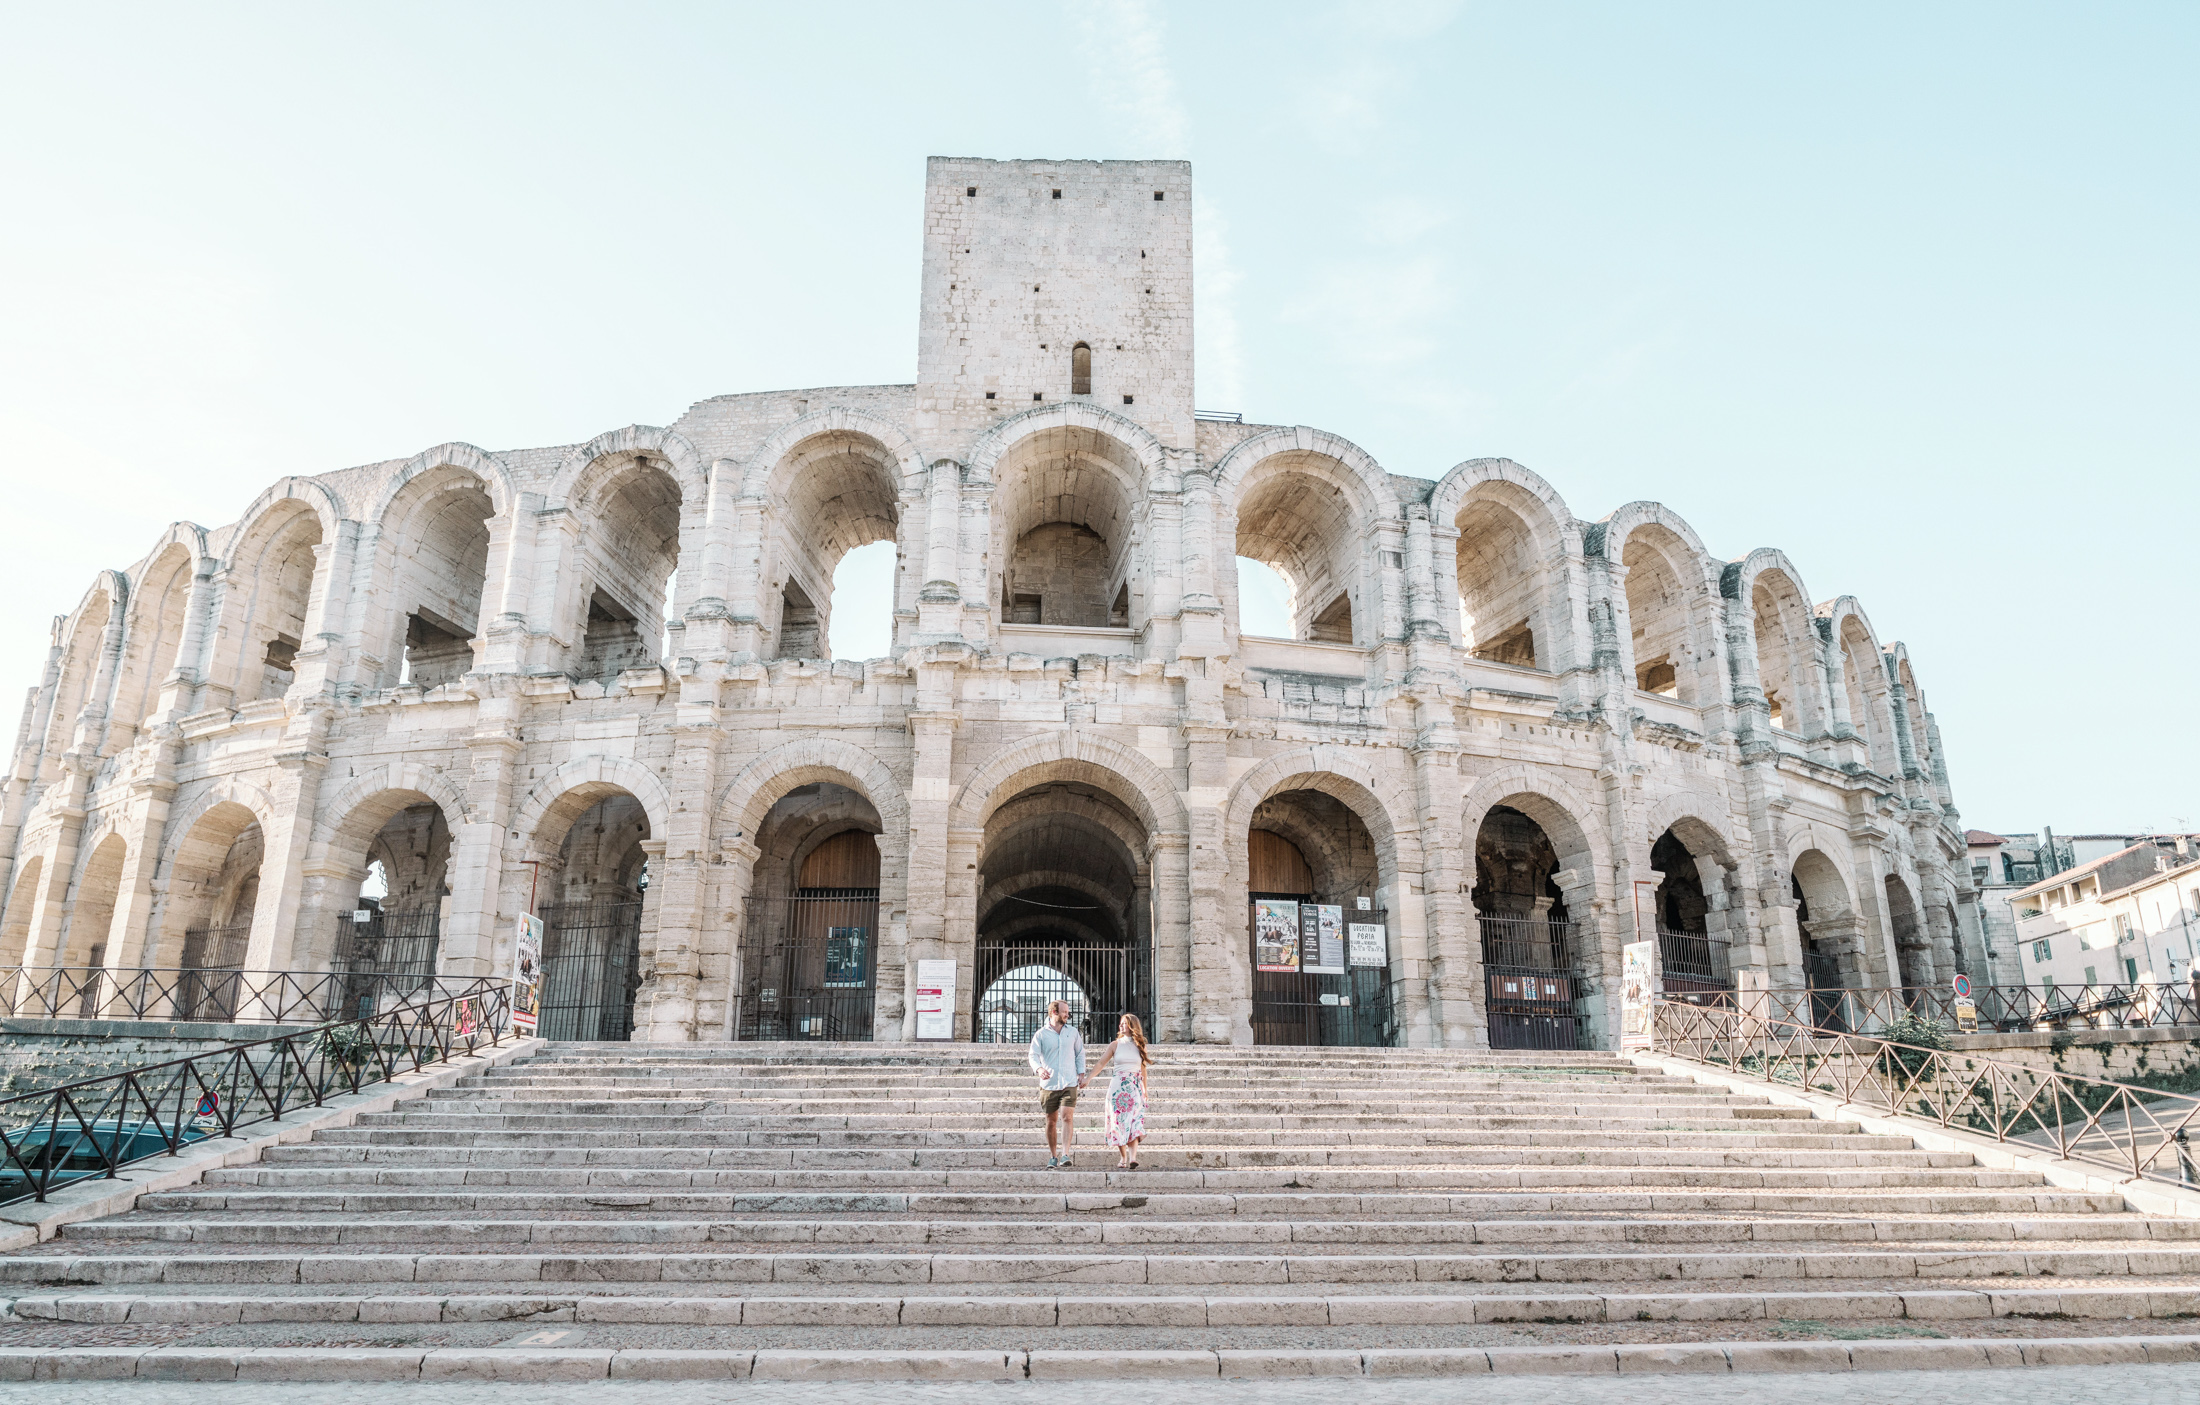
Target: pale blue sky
(1906, 291)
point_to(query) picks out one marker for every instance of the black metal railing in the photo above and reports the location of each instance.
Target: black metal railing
(1529, 965)
(591, 969)
(220, 996)
(809, 968)
(2137, 1131)
(380, 949)
(95, 1126)
(1017, 981)
(1694, 961)
(2000, 1008)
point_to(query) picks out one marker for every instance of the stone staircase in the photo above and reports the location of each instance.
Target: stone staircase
(747, 1209)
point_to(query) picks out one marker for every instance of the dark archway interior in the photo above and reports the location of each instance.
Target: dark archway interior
(1064, 912)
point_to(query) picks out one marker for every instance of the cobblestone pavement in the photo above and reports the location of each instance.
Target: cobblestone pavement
(2126, 1385)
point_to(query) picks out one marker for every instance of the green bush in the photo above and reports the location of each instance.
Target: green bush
(1922, 1032)
(348, 1044)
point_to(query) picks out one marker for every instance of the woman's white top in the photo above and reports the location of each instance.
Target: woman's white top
(1123, 1060)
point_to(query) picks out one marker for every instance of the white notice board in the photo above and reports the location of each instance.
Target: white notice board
(935, 995)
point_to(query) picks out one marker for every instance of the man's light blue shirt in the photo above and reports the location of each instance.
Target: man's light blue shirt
(1059, 1054)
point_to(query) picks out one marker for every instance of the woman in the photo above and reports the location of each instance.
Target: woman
(1126, 1090)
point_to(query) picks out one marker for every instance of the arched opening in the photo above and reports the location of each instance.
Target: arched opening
(153, 639)
(207, 909)
(1080, 369)
(15, 924)
(1297, 520)
(1064, 912)
(91, 921)
(1320, 941)
(1694, 955)
(79, 672)
(1864, 675)
(809, 936)
(1661, 604)
(1913, 955)
(387, 939)
(1833, 938)
(834, 526)
(1531, 954)
(1785, 653)
(434, 551)
(592, 927)
(1503, 610)
(271, 606)
(1065, 529)
(628, 552)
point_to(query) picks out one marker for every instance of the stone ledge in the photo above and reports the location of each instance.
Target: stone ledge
(528, 1365)
(31, 1222)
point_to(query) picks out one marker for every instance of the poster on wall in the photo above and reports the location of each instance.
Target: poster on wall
(844, 953)
(1637, 988)
(935, 996)
(1321, 939)
(1275, 934)
(527, 975)
(1369, 944)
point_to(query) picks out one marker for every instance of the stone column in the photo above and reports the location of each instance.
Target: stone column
(479, 920)
(1218, 992)
(931, 790)
(671, 981)
(939, 600)
(733, 872)
(1454, 1018)
(295, 795)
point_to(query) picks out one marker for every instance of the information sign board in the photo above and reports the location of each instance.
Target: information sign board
(1321, 939)
(1369, 944)
(935, 996)
(1275, 934)
(1637, 989)
(527, 975)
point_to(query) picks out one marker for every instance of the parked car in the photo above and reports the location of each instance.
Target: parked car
(73, 1152)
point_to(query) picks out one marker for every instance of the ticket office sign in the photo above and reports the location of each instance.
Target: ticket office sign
(1368, 944)
(935, 1000)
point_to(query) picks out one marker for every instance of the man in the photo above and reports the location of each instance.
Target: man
(1058, 1057)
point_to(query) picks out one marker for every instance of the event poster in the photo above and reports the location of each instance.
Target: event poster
(1275, 934)
(1369, 944)
(1321, 939)
(527, 975)
(935, 1007)
(1637, 988)
(844, 956)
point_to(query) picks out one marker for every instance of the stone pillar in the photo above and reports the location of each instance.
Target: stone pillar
(1218, 992)
(1452, 1004)
(294, 797)
(479, 919)
(1898, 702)
(671, 992)
(939, 613)
(931, 850)
(180, 691)
(734, 871)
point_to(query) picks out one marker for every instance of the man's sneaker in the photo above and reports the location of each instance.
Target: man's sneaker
(1053, 1162)
(1062, 1165)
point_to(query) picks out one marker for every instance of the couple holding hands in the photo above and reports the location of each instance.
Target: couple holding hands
(1058, 1058)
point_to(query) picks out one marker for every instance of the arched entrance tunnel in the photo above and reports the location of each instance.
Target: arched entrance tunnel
(1065, 912)
(809, 944)
(1531, 955)
(1319, 943)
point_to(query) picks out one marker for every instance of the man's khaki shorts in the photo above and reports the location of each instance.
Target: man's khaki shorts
(1053, 1100)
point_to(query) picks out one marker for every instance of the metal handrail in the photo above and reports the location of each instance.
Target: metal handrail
(219, 994)
(2004, 1008)
(95, 1126)
(2137, 1131)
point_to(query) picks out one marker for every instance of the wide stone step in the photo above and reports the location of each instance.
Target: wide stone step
(215, 1307)
(614, 1224)
(438, 1195)
(1186, 1268)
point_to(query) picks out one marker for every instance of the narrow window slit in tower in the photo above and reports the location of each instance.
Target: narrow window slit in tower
(1158, 194)
(1080, 369)
(1126, 400)
(1057, 194)
(973, 190)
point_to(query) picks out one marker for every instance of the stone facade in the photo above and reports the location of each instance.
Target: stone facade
(602, 673)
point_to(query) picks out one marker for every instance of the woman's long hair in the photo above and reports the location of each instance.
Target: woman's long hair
(1138, 1037)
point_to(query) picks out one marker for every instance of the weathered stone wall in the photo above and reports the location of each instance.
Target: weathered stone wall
(37, 1054)
(482, 636)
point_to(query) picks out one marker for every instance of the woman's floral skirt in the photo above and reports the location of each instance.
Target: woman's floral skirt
(1127, 1109)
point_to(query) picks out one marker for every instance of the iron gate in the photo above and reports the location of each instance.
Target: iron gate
(1352, 1009)
(591, 968)
(213, 979)
(1530, 968)
(1693, 963)
(812, 968)
(1015, 984)
(386, 959)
